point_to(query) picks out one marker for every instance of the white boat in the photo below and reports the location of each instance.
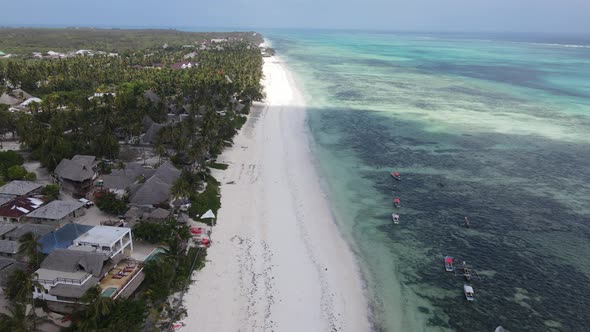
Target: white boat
(468, 290)
(395, 218)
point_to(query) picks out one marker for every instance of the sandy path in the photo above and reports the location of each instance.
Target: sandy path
(278, 262)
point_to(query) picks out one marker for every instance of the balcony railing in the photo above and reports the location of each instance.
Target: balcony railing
(60, 280)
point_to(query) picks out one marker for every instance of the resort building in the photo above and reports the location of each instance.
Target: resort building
(98, 257)
(76, 175)
(106, 239)
(156, 190)
(121, 180)
(57, 213)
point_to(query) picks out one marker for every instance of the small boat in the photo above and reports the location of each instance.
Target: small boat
(468, 290)
(466, 223)
(449, 264)
(396, 202)
(467, 274)
(395, 218)
(396, 175)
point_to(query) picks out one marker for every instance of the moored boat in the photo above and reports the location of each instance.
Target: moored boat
(396, 202)
(395, 218)
(396, 175)
(449, 264)
(468, 290)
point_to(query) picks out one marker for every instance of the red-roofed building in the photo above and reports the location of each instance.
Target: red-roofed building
(17, 208)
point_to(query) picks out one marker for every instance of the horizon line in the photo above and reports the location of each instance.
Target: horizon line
(255, 29)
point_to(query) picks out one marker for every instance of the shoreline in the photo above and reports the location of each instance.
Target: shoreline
(278, 260)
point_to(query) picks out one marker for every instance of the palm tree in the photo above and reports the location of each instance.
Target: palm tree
(99, 306)
(29, 247)
(20, 286)
(20, 319)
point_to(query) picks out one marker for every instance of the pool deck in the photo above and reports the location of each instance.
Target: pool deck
(108, 281)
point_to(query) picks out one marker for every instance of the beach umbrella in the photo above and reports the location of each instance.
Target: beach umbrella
(208, 215)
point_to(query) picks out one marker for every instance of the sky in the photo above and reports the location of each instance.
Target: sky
(557, 16)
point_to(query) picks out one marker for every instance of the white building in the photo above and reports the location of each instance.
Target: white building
(108, 240)
(66, 274)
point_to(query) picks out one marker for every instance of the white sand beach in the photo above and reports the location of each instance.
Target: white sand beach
(278, 261)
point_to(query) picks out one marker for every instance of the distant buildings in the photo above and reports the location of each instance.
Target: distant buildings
(183, 65)
(18, 100)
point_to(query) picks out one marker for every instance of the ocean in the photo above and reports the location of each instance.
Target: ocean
(492, 127)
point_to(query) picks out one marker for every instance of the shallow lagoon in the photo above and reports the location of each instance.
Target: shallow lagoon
(491, 127)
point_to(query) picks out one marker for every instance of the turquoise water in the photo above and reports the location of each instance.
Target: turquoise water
(109, 292)
(496, 128)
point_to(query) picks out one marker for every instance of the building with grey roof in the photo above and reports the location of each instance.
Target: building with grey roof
(56, 212)
(158, 215)
(7, 99)
(77, 174)
(156, 189)
(20, 230)
(67, 274)
(152, 96)
(21, 188)
(8, 248)
(85, 160)
(5, 228)
(5, 198)
(7, 267)
(125, 177)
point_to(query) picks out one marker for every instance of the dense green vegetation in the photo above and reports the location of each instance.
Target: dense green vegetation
(160, 232)
(198, 111)
(27, 40)
(67, 121)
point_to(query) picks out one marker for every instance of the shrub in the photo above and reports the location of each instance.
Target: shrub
(16, 172)
(51, 191)
(218, 166)
(209, 199)
(108, 202)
